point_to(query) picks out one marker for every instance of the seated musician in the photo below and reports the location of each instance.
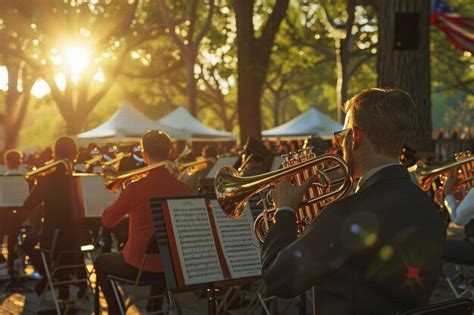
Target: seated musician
(10, 221)
(133, 201)
(193, 176)
(255, 158)
(61, 229)
(461, 213)
(378, 251)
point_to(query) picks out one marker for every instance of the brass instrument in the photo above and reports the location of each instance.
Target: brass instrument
(187, 150)
(92, 161)
(464, 166)
(333, 183)
(118, 157)
(192, 167)
(48, 168)
(253, 150)
(114, 179)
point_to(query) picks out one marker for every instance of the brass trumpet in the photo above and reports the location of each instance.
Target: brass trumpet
(92, 161)
(333, 183)
(464, 166)
(120, 156)
(192, 167)
(114, 180)
(48, 168)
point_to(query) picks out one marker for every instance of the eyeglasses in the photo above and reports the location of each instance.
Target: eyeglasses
(340, 135)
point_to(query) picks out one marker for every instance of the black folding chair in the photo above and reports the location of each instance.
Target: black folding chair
(152, 248)
(51, 259)
(460, 253)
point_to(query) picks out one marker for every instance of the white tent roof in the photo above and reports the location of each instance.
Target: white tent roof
(182, 119)
(311, 122)
(128, 122)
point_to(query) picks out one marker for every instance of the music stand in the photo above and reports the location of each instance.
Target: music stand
(197, 252)
(14, 189)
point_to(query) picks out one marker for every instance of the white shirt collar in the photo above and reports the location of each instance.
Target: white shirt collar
(372, 172)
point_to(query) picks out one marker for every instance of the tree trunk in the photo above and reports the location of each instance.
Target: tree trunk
(74, 116)
(276, 111)
(191, 86)
(248, 94)
(342, 69)
(253, 58)
(407, 69)
(16, 102)
(73, 125)
(14, 122)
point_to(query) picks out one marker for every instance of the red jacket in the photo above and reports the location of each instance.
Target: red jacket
(134, 201)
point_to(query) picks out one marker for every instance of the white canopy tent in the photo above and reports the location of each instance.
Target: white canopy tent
(127, 124)
(311, 122)
(182, 119)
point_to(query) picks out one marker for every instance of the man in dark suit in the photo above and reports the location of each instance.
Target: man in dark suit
(63, 227)
(378, 251)
(133, 201)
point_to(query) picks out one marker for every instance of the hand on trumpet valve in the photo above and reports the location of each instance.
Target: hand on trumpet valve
(284, 194)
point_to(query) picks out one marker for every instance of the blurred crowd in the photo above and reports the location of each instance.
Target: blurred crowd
(185, 152)
(457, 133)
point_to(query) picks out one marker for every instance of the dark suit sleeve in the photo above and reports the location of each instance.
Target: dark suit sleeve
(291, 265)
(36, 196)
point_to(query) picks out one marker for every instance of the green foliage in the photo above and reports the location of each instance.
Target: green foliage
(452, 78)
(302, 72)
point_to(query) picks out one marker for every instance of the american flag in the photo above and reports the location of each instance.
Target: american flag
(459, 30)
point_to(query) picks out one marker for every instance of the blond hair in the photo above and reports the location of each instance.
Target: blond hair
(385, 116)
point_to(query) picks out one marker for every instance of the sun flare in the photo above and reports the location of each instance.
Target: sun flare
(77, 59)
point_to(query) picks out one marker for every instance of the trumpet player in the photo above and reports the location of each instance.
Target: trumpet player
(55, 192)
(461, 213)
(133, 201)
(378, 251)
(192, 175)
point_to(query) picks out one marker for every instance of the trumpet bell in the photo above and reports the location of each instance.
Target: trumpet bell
(334, 182)
(232, 191)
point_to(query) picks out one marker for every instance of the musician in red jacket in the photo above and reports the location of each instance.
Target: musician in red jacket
(133, 201)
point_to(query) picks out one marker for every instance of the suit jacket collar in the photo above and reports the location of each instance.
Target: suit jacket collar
(387, 173)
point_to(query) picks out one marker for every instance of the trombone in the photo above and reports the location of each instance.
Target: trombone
(114, 180)
(48, 168)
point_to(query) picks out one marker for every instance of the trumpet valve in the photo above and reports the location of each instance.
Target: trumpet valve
(286, 160)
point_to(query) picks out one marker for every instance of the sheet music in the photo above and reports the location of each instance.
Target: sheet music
(239, 243)
(95, 196)
(196, 247)
(13, 191)
(225, 161)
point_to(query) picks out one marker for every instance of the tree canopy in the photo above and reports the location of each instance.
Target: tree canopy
(81, 59)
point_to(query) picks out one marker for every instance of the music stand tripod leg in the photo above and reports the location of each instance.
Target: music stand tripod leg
(211, 301)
